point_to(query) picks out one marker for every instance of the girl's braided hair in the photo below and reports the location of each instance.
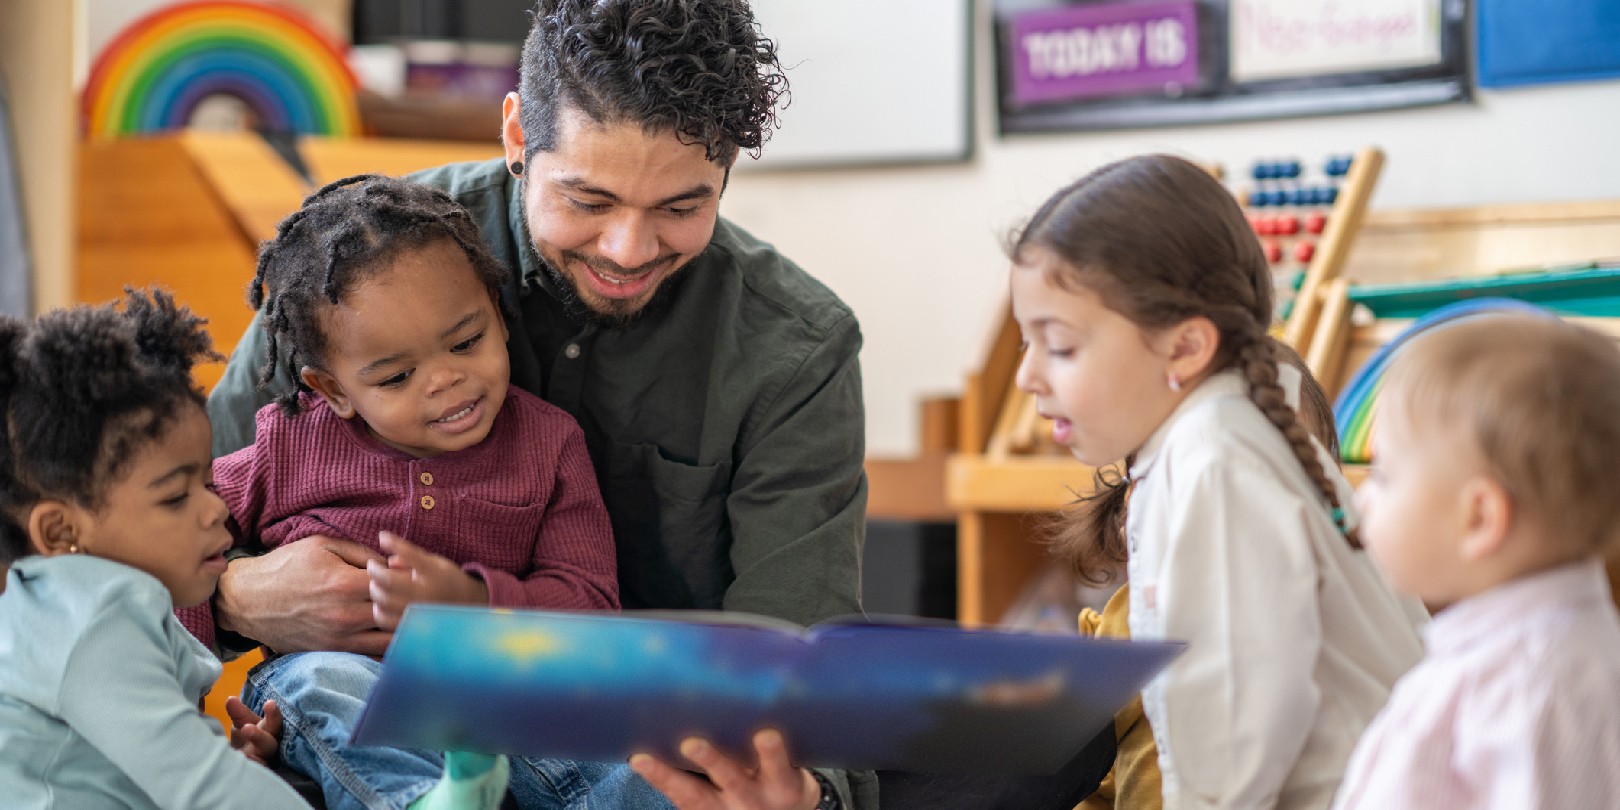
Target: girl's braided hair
(1161, 241)
(344, 233)
(81, 390)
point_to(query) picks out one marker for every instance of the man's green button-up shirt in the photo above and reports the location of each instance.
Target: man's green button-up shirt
(727, 427)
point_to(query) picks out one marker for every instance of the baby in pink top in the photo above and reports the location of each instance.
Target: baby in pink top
(1494, 494)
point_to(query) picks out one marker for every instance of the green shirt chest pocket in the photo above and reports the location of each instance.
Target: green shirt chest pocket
(670, 525)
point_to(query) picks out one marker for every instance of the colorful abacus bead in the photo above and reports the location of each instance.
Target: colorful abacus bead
(1315, 222)
(1273, 249)
(1303, 251)
(1287, 225)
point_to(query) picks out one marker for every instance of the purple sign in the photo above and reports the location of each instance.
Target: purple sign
(1103, 49)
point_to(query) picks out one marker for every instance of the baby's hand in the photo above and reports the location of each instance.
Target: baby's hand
(257, 737)
(413, 574)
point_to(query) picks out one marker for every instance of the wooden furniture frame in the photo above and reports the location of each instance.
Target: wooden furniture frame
(1310, 303)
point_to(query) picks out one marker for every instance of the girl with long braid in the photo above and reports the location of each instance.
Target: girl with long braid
(1144, 300)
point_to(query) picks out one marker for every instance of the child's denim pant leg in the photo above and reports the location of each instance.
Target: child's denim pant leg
(321, 695)
(550, 784)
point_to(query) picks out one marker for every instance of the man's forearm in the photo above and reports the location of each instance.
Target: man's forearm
(232, 642)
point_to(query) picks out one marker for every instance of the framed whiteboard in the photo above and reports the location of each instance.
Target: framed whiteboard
(871, 82)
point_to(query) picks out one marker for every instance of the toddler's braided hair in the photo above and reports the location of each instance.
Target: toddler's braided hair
(345, 232)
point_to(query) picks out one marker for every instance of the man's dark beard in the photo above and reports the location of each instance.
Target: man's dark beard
(576, 308)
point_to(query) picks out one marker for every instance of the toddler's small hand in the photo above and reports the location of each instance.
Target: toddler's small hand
(259, 738)
(413, 574)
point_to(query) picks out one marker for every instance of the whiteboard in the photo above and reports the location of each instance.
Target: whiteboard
(871, 81)
(1272, 39)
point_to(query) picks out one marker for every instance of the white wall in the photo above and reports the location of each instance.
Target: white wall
(916, 250)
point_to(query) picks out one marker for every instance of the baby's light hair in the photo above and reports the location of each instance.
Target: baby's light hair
(1538, 399)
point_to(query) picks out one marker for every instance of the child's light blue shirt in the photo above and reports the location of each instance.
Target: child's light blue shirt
(98, 697)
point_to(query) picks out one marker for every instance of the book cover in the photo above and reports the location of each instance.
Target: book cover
(868, 694)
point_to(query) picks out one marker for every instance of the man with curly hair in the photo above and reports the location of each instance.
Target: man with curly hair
(716, 382)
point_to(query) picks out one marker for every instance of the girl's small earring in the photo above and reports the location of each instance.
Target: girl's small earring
(1175, 381)
(516, 167)
(73, 548)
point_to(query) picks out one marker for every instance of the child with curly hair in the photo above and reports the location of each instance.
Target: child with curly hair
(109, 519)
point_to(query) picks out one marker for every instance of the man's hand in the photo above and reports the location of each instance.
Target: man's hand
(310, 594)
(259, 738)
(775, 785)
(413, 574)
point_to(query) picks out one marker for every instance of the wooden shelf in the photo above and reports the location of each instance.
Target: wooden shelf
(259, 188)
(188, 211)
(1015, 484)
(909, 489)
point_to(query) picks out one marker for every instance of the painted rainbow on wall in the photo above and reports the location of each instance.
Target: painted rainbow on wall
(152, 76)
(1356, 410)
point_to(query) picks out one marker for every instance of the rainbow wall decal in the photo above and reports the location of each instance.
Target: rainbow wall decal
(1356, 409)
(152, 76)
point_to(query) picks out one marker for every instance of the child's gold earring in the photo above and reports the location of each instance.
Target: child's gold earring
(1174, 380)
(73, 548)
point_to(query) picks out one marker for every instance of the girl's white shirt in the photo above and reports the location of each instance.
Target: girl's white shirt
(1295, 639)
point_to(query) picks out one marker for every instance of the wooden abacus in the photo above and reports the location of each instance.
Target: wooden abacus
(1307, 223)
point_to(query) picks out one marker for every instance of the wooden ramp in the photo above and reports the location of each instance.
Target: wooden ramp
(188, 211)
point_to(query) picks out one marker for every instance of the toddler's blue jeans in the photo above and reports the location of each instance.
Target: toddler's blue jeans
(321, 694)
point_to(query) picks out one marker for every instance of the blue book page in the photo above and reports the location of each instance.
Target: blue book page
(926, 697)
(576, 685)
(918, 696)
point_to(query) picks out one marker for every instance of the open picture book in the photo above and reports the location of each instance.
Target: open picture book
(862, 693)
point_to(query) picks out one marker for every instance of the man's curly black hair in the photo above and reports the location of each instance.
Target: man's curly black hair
(83, 389)
(345, 232)
(697, 68)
